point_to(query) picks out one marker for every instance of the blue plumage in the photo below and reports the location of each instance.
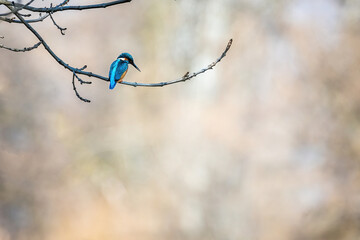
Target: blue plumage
(119, 67)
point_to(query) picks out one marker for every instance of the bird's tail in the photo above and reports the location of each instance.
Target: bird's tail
(112, 83)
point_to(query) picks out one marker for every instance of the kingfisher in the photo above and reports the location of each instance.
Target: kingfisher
(119, 68)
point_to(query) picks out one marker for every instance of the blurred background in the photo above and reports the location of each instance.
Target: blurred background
(265, 146)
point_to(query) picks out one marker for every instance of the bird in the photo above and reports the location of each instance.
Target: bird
(119, 68)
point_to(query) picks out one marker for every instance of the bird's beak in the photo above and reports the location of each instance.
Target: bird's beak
(136, 67)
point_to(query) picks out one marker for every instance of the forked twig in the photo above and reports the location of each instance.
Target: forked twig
(75, 89)
(62, 30)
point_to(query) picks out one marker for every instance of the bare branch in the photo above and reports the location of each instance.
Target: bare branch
(13, 20)
(81, 71)
(187, 75)
(64, 8)
(26, 49)
(18, 9)
(90, 74)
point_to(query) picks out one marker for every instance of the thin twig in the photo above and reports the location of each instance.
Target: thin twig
(62, 30)
(26, 49)
(25, 15)
(64, 8)
(76, 92)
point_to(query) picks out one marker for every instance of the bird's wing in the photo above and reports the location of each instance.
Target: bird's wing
(121, 69)
(112, 73)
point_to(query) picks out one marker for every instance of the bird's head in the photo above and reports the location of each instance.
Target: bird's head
(128, 58)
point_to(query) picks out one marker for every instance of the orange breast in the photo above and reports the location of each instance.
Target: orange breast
(122, 76)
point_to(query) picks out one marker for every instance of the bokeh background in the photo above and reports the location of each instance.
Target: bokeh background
(265, 146)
